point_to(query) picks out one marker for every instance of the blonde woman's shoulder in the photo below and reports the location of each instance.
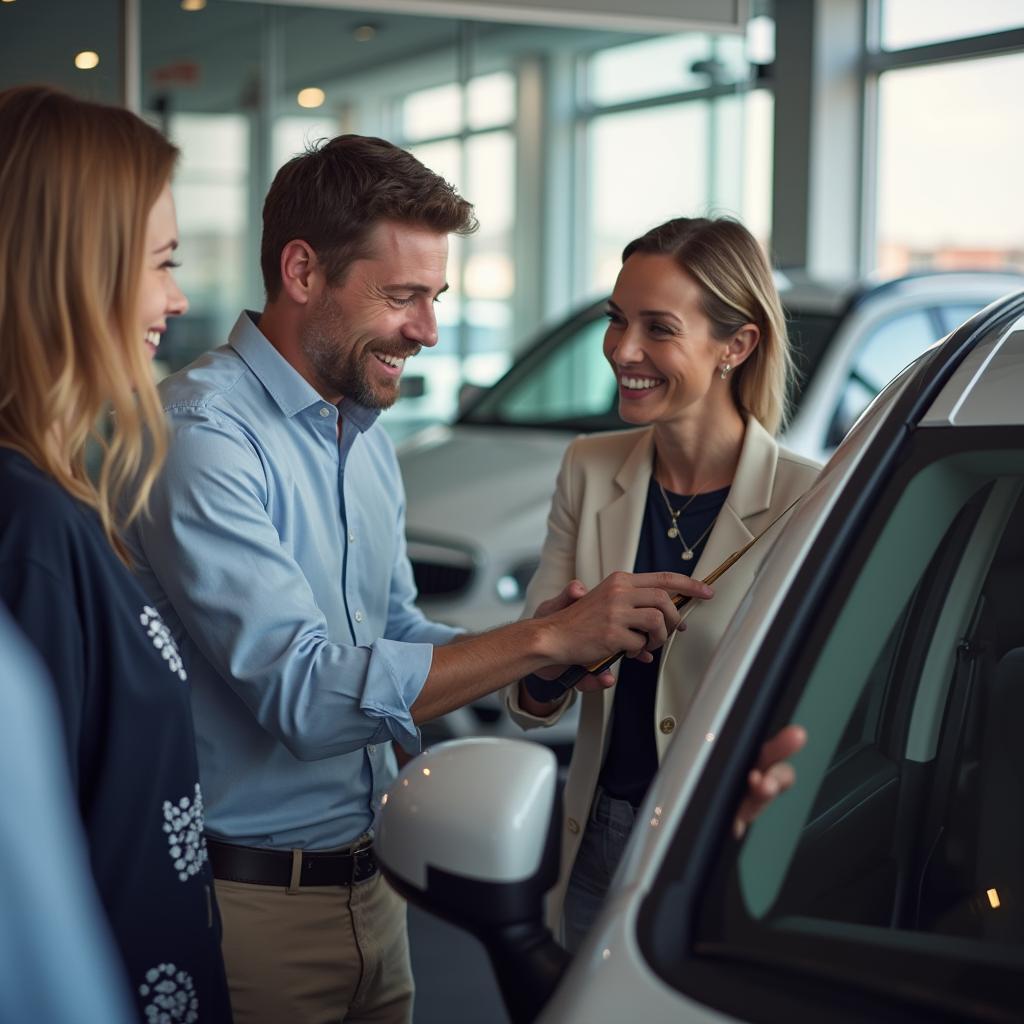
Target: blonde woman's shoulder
(606, 443)
(799, 463)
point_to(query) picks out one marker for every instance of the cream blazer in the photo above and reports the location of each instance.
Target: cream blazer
(593, 530)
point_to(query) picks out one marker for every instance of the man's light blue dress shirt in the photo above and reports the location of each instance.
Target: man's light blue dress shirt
(276, 554)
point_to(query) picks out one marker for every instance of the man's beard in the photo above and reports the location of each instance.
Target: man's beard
(341, 367)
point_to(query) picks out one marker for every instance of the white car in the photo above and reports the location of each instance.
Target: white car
(478, 491)
(888, 883)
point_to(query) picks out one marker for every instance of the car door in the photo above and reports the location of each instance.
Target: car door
(888, 884)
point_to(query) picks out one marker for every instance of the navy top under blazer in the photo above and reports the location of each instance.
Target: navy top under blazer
(632, 757)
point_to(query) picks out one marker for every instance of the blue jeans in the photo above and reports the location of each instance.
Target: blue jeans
(604, 839)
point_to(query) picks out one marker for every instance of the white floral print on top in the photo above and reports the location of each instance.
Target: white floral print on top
(172, 996)
(163, 641)
(183, 823)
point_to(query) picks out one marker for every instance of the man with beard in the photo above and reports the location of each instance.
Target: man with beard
(275, 552)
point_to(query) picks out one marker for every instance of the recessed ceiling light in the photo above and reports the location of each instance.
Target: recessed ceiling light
(86, 60)
(193, 5)
(364, 33)
(311, 97)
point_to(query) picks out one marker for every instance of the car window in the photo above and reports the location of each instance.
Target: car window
(895, 865)
(569, 382)
(884, 352)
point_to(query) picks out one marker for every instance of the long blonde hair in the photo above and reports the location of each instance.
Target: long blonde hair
(737, 288)
(77, 183)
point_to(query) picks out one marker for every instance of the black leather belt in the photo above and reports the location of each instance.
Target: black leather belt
(274, 867)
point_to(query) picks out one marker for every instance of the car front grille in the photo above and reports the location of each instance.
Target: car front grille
(441, 569)
(436, 580)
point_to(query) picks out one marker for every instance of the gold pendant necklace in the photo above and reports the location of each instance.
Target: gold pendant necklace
(674, 531)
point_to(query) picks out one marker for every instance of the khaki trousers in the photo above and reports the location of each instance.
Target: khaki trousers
(316, 955)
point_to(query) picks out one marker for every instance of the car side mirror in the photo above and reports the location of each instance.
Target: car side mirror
(470, 830)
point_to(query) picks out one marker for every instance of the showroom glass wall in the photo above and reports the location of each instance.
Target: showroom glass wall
(565, 148)
(943, 85)
(568, 141)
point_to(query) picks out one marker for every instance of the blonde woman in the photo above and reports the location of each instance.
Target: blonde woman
(697, 340)
(87, 236)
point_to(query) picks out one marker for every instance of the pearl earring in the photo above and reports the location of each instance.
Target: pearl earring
(726, 370)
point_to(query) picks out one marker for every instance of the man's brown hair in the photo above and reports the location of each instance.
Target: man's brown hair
(334, 194)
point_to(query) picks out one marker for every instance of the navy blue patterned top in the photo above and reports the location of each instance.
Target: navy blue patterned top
(124, 700)
(632, 757)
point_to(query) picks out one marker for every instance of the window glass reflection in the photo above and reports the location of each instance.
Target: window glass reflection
(948, 186)
(916, 22)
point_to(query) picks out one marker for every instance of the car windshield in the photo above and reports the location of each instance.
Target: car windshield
(563, 382)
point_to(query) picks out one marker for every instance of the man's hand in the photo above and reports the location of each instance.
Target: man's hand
(570, 594)
(771, 776)
(629, 612)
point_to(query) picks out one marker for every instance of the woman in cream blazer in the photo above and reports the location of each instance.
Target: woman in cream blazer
(697, 340)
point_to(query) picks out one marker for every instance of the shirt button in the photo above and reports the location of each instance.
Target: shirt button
(574, 825)
(667, 725)
(351, 537)
(325, 412)
(370, 749)
(359, 616)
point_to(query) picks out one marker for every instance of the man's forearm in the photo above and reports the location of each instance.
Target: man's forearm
(625, 612)
(473, 666)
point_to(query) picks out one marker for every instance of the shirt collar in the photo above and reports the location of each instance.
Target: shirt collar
(289, 389)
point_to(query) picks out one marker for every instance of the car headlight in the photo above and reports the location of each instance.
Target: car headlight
(512, 585)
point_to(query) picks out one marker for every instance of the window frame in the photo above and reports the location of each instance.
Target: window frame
(876, 62)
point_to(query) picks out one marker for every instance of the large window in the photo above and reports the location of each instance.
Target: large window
(466, 134)
(916, 22)
(211, 190)
(671, 130)
(948, 168)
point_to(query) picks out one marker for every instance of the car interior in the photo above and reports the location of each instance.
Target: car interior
(920, 841)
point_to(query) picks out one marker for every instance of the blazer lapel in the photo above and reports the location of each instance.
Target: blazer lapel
(619, 522)
(749, 496)
(618, 530)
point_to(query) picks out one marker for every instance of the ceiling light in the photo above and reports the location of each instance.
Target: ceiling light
(86, 60)
(311, 97)
(193, 5)
(364, 33)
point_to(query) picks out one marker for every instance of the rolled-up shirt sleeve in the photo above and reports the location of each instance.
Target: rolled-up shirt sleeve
(246, 603)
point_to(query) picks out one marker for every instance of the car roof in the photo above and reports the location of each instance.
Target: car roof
(801, 291)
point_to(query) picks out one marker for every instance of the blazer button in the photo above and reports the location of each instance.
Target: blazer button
(667, 725)
(574, 825)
